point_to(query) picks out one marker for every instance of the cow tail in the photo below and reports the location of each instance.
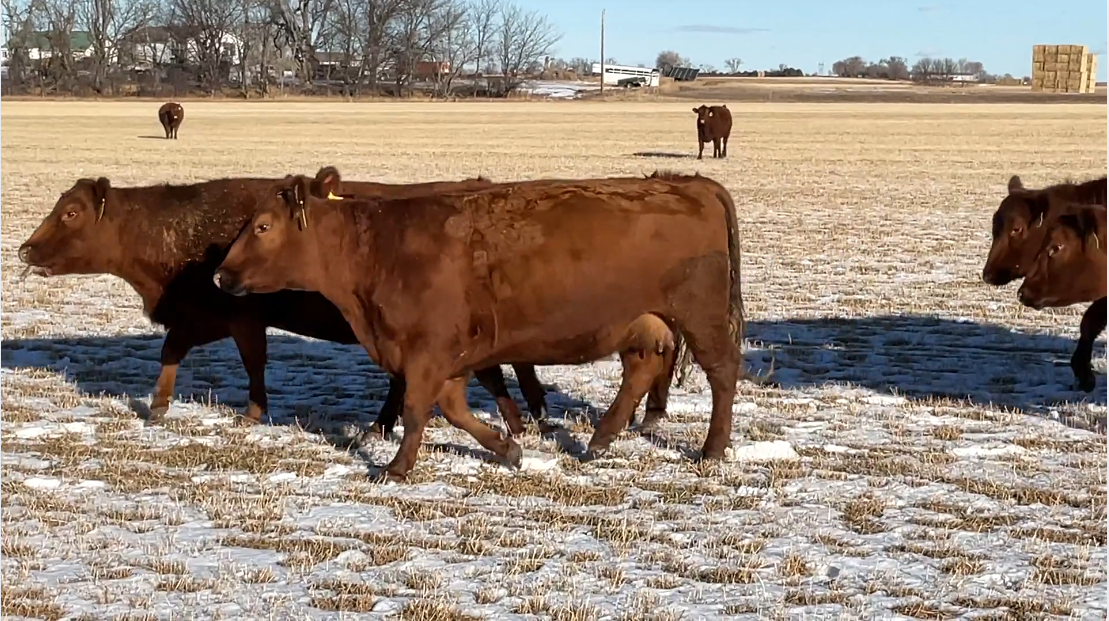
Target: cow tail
(737, 322)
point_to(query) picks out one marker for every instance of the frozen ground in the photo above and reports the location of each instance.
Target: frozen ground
(923, 456)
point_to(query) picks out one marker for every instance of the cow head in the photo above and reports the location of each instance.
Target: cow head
(75, 238)
(704, 115)
(1018, 230)
(1070, 265)
(278, 248)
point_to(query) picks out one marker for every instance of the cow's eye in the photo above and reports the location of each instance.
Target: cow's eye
(1017, 231)
(1054, 250)
(69, 215)
(261, 228)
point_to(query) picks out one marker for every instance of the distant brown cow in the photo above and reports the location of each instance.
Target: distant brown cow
(170, 116)
(1070, 269)
(543, 272)
(1019, 225)
(714, 124)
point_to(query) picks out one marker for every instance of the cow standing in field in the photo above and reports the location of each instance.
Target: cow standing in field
(714, 124)
(166, 241)
(547, 271)
(1070, 269)
(1019, 227)
(170, 115)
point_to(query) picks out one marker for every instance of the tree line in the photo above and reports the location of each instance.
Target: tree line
(926, 69)
(355, 47)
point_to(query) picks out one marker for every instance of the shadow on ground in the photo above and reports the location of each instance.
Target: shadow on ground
(916, 356)
(303, 377)
(665, 154)
(922, 357)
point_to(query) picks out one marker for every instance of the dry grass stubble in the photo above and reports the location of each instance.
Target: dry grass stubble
(864, 229)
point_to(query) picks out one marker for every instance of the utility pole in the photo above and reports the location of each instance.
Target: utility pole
(602, 52)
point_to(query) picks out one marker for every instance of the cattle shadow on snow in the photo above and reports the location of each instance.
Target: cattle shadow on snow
(305, 379)
(924, 357)
(916, 356)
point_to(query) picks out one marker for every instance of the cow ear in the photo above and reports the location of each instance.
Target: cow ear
(100, 195)
(1015, 184)
(1088, 224)
(327, 183)
(1038, 205)
(695, 111)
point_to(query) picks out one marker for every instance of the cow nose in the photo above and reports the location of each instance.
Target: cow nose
(25, 253)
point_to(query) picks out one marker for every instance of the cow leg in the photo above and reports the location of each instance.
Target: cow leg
(714, 350)
(716, 147)
(452, 402)
(534, 393)
(641, 367)
(387, 415)
(660, 392)
(700, 148)
(1093, 322)
(420, 392)
(250, 338)
(724, 151)
(176, 346)
(492, 379)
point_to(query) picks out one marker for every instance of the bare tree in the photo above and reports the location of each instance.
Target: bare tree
(523, 37)
(301, 25)
(733, 64)
(108, 22)
(205, 25)
(19, 33)
(851, 67)
(483, 20)
(457, 47)
(668, 59)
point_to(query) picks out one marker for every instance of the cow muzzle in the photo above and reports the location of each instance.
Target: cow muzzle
(1029, 299)
(26, 256)
(228, 283)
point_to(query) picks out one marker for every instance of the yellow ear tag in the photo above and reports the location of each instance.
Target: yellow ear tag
(331, 196)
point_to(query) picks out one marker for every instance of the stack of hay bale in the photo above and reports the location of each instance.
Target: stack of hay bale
(1063, 69)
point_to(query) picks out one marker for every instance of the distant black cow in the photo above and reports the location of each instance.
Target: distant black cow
(170, 116)
(714, 124)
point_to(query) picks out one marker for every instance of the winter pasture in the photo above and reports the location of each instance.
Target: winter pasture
(923, 453)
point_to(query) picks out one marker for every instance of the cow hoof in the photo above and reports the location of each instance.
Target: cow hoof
(650, 422)
(157, 414)
(514, 455)
(392, 477)
(246, 420)
(1086, 383)
(375, 432)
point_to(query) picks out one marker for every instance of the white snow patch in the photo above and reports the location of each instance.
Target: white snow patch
(762, 451)
(46, 428)
(988, 450)
(42, 482)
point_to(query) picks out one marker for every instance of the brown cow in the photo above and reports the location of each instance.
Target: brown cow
(548, 272)
(1019, 225)
(1070, 269)
(170, 116)
(95, 228)
(714, 124)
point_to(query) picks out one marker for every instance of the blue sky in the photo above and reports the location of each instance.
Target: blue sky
(804, 33)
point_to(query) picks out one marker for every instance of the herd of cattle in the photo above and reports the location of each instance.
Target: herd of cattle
(443, 279)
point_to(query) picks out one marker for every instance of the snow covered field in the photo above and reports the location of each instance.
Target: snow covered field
(924, 453)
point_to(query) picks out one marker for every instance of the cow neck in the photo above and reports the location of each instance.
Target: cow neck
(349, 271)
(145, 268)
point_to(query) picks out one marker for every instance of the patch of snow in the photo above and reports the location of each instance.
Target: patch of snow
(762, 451)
